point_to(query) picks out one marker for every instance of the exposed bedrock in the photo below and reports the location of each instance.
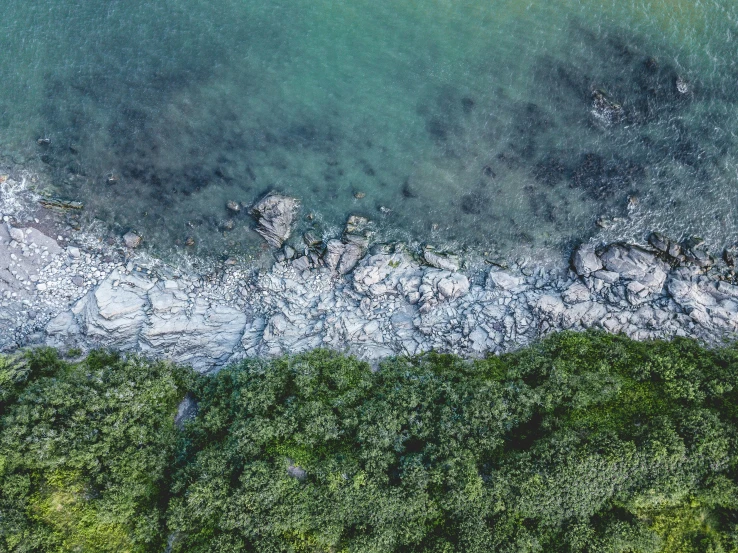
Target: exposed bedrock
(391, 303)
(373, 301)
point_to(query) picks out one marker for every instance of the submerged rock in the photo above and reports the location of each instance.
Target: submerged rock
(275, 215)
(312, 239)
(682, 85)
(56, 203)
(356, 224)
(604, 109)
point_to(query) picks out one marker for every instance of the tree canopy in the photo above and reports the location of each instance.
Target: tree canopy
(584, 442)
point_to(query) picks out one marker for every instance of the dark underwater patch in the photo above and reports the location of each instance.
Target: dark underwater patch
(473, 204)
(606, 115)
(632, 107)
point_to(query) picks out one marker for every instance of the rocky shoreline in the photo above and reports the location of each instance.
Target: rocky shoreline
(373, 300)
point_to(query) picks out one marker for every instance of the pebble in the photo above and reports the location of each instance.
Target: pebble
(132, 240)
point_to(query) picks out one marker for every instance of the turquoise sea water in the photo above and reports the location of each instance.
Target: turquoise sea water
(468, 122)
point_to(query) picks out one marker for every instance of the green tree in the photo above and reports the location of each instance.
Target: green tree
(85, 450)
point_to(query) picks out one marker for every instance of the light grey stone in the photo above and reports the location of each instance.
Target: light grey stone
(634, 263)
(504, 281)
(17, 234)
(610, 277)
(585, 261)
(349, 258)
(204, 338)
(302, 263)
(441, 261)
(275, 214)
(63, 324)
(132, 240)
(550, 306)
(575, 293)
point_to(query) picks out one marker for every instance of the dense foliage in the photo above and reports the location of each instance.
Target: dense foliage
(85, 452)
(583, 442)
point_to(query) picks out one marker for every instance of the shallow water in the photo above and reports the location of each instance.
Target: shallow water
(474, 123)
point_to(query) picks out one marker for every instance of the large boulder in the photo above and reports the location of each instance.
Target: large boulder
(447, 262)
(585, 261)
(202, 334)
(439, 286)
(115, 312)
(637, 264)
(501, 280)
(343, 255)
(340, 257)
(132, 240)
(275, 215)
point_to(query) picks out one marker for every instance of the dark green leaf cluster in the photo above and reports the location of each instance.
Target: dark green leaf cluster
(85, 449)
(581, 443)
(584, 442)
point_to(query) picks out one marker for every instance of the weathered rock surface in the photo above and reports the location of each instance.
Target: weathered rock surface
(585, 261)
(389, 304)
(275, 215)
(441, 261)
(132, 240)
(24, 256)
(374, 304)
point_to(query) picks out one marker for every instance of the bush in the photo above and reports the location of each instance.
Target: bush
(580, 443)
(85, 452)
(584, 442)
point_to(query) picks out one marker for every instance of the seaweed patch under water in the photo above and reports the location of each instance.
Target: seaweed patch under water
(597, 113)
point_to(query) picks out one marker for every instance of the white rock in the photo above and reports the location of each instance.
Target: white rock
(550, 306)
(17, 234)
(634, 263)
(609, 277)
(132, 240)
(504, 281)
(585, 261)
(576, 292)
